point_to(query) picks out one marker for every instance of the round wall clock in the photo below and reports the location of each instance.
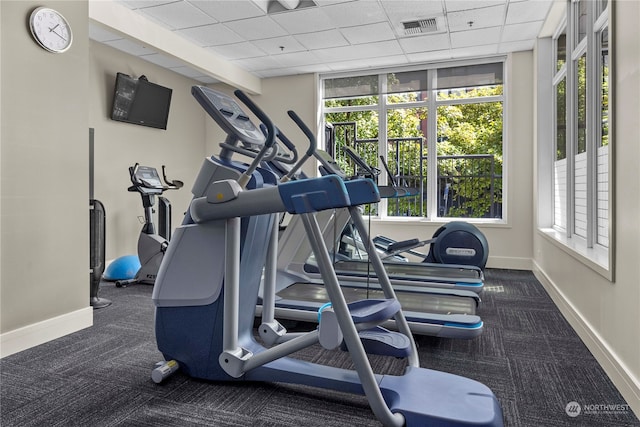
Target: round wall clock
(50, 29)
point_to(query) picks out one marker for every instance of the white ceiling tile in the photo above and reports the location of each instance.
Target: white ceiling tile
(355, 13)
(436, 55)
(130, 47)
(474, 51)
(307, 20)
(238, 50)
(275, 72)
(257, 28)
(279, 45)
(364, 63)
(178, 15)
(479, 18)
(409, 10)
(449, 54)
(475, 37)
(228, 10)
(322, 39)
(372, 50)
(257, 63)
(368, 33)
(210, 35)
(526, 11)
(343, 53)
(314, 68)
(453, 5)
(297, 59)
(317, 38)
(517, 32)
(425, 43)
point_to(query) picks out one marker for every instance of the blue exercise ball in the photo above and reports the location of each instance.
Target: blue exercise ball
(123, 268)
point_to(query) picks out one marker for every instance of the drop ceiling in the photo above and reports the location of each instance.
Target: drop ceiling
(266, 39)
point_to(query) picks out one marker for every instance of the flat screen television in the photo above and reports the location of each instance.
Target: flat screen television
(140, 102)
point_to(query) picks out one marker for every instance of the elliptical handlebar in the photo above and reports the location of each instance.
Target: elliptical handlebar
(269, 141)
(287, 143)
(252, 150)
(307, 132)
(359, 161)
(264, 119)
(326, 161)
(310, 151)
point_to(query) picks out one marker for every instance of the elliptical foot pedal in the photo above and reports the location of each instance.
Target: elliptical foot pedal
(403, 245)
(383, 342)
(373, 311)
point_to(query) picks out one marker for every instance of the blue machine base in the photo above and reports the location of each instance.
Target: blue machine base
(424, 397)
(433, 398)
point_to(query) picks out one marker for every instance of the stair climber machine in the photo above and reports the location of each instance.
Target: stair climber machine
(207, 289)
(461, 248)
(448, 311)
(152, 245)
(455, 243)
(442, 306)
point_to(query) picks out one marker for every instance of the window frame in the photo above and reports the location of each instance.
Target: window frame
(431, 104)
(587, 249)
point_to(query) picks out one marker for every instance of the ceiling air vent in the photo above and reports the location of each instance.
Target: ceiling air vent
(421, 26)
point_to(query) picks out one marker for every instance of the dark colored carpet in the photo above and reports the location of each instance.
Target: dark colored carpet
(528, 355)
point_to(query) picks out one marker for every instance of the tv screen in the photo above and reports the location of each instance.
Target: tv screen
(140, 102)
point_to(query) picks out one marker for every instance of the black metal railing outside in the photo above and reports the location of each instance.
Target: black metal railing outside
(468, 185)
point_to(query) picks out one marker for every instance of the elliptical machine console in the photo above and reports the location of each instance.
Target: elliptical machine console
(151, 244)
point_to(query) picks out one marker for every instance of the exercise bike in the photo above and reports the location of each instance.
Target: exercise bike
(151, 244)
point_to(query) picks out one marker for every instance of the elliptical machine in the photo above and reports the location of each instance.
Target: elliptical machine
(455, 243)
(151, 244)
(208, 287)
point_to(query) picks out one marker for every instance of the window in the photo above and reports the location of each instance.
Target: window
(581, 185)
(602, 140)
(397, 120)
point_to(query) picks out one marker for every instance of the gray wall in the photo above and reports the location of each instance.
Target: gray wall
(43, 175)
(49, 102)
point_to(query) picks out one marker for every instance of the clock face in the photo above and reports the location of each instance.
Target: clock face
(50, 29)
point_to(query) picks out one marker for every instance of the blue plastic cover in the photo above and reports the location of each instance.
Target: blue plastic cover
(362, 191)
(314, 194)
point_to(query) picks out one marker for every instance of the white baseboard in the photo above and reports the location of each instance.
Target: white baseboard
(618, 372)
(510, 263)
(47, 330)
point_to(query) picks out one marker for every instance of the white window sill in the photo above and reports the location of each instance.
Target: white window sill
(439, 221)
(596, 258)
